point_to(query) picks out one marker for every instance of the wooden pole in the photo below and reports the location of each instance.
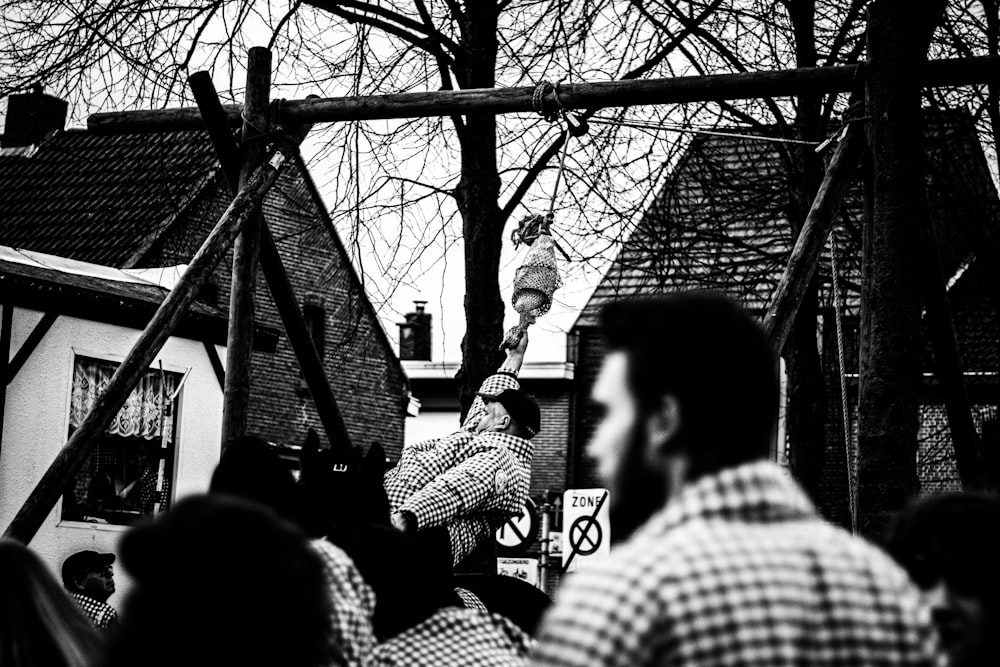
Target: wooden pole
(69, 459)
(274, 270)
(239, 347)
(890, 372)
(491, 101)
(804, 258)
(6, 327)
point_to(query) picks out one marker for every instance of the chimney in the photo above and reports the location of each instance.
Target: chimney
(31, 116)
(415, 335)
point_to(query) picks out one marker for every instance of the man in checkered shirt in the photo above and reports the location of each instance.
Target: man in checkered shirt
(471, 481)
(726, 562)
(90, 581)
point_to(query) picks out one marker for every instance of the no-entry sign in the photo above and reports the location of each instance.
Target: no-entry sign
(518, 532)
(586, 529)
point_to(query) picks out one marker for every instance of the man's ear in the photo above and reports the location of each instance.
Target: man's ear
(663, 426)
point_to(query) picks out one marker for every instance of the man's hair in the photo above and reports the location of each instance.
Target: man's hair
(708, 352)
(231, 577)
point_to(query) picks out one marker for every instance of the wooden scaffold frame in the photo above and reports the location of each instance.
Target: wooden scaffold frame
(251, 169)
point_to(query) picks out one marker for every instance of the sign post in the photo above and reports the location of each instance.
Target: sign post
(586, 530)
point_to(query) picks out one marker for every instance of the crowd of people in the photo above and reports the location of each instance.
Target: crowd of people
(723, 559)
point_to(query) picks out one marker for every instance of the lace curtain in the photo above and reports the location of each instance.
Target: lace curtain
(143, 414)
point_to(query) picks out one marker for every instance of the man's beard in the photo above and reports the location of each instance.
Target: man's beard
(640, 490)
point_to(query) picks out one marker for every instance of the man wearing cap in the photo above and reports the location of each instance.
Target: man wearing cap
(89, 579)
(471, 481)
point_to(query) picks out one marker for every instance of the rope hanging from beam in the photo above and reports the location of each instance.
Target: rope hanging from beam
(537, 279)
(689, 129)
(849, 453)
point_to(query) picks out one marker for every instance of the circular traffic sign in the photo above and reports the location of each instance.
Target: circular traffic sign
(518, 532)
(585, 536)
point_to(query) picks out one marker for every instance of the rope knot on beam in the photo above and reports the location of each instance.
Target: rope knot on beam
(539, 101)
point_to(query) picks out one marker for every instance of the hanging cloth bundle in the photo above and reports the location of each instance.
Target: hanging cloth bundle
(537, 279)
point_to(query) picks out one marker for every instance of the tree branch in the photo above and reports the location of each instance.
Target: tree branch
(424, 43)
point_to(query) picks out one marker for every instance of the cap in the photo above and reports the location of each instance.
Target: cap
(520, 405)
(82, 562)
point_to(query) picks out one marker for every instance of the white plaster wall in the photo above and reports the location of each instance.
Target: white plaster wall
(36, 426)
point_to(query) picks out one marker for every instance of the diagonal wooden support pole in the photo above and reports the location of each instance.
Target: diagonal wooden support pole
(214, 116)
(948, 366)
(804, 258)
(239, 344)
(71, 457)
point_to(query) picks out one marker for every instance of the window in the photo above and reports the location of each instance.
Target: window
(314, 316)
(128, 474)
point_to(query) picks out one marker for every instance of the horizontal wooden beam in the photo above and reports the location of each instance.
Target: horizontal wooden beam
(491, 101)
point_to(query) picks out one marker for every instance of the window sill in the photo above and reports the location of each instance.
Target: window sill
(109, 527)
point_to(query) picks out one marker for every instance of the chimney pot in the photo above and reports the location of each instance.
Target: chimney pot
(415, 335)
(32, 116)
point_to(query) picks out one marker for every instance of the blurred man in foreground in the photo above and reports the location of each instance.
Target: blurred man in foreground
(726, 562)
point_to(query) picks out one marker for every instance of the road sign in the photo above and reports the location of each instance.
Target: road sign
(525, 569)
(518, 532)
(586, 528)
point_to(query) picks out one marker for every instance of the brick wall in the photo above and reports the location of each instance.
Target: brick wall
(548, 466)
(367, 381)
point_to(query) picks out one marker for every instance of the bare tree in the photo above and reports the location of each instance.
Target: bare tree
(470, 174)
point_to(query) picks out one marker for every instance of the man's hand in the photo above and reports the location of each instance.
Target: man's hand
(515, 355)
(522, 345)
(400, 521)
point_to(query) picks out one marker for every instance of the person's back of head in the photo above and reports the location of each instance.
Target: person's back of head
(408, 587)
(39, 624)
(708, 352)
(221, 580)
(949, 542)
(249, 469)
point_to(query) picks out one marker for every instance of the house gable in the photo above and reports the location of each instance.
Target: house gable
(150, 200)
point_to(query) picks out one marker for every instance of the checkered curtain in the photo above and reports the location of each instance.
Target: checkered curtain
(142, 416)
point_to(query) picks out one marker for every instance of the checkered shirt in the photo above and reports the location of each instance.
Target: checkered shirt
(469, 481)
(738, 570)
(455, 637)
(470, 599)
(101, 614)
(352, 604)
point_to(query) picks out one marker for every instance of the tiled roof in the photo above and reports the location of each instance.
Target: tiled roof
(721, 222)
(100, 199)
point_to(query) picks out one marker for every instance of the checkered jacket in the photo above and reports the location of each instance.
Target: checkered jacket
(352, 604)
(101, 614)
(455, 637)
(738, 570)
(470, 482)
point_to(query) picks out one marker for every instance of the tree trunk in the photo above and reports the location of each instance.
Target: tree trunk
(898, 35)
(477, 194)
